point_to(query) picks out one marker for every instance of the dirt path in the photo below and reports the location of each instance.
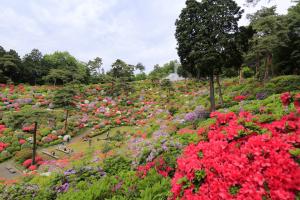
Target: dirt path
(74, 140)
(4, 173)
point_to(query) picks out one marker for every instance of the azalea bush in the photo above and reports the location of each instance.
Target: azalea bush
(158, 164)
(28, 163)
(243, 159)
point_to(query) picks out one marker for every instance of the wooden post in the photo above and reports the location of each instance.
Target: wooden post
(34, 143)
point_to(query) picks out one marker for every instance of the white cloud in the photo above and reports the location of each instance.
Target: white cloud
(133, 30)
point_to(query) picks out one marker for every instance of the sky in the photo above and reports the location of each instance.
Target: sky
(131, 30)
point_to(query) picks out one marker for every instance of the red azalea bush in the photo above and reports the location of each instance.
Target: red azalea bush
(286, 98)
(28, 128)
(2, 128)
(158, 164)
(28, 163)
(240, 161)
(22, 141)
(3, 146)
(32, 167)
(239, 98)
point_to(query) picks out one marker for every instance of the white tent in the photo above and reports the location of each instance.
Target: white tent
(174, 76)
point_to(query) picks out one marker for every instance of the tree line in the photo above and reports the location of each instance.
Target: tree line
(60, 68)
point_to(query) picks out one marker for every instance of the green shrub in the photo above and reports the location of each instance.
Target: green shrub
(23, 155)
(266, 118)
(5, 154)
(45, 131)
(247, 72)
(285, 83)
(186, 139)
(116, 164)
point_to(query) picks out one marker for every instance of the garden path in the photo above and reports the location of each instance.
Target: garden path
(5, 174)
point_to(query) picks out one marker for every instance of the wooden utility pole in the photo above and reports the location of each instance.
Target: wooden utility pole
(34, 143)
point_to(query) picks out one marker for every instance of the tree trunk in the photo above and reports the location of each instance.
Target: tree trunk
(268, 65)
(34, 144)
(212, 93)
(241, 76)
(220, 90)
(271, 66)
(66, 121)
(257, 67)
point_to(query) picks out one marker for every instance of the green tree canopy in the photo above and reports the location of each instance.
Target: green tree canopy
(121, 69)
(64, 68)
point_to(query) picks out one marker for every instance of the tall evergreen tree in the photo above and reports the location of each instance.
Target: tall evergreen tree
(203, 32)
(32, 67)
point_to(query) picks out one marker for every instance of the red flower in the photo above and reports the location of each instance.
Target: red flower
(158, 164)
(27, 163)
(238, 163)
(3, 146)
(239, 98)
(32, 167)
(286, 98)
(22, 141)
(28, 128)
(297, 101)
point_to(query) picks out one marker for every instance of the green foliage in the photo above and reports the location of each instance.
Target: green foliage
(199, 178)
(274, 43)
(10, 66)
(157, 191)
(247, 72)
(160, 72)
(23, 155)
(120, 69)
(284, 83)
(186, 139)
(233, 190)
(15, 120)
(64, 97)
(116, 164)
(295, 152)
(64, 68)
